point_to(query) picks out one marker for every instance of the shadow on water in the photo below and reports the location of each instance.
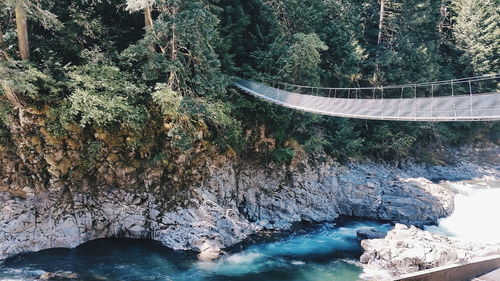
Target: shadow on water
(307, 252)
(109, 259)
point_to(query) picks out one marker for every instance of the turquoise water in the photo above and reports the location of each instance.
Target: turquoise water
(326, 252)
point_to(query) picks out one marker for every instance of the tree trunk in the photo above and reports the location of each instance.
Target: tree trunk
(172, 79)
(381, 21)
(22, 32)
(8, 92)
(148, 24)
(173, 56)
(443, 11)
(148, 19)
(376, 74)
(1, 40)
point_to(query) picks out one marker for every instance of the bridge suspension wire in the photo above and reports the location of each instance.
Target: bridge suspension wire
(423, 84)
(465, 99)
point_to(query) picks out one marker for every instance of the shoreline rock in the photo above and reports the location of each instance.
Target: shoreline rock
(370, 234)
(409, 249)
(58, 276)
(233, 202)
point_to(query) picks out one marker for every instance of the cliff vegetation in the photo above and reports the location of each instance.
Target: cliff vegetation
(122, 93)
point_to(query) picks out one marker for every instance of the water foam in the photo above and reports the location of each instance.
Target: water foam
(291, 251)
(476, 206)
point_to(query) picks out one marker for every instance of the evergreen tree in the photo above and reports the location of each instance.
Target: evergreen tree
(408, 42)
(476, 27)
(302, 61)
(184, 37)
(100, 63)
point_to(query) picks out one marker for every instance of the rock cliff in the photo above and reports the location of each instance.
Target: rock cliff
(233, 202)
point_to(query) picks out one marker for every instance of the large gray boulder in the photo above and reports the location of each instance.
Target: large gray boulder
(409, 249)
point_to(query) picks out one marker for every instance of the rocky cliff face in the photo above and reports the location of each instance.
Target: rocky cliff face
(66, 190)
(235, 200)
(409, 249)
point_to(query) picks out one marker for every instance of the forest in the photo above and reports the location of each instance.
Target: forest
(164, 70)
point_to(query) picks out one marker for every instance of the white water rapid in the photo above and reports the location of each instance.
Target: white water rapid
(477, 211)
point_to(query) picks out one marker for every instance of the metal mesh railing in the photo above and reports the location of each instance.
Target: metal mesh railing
(468, 99)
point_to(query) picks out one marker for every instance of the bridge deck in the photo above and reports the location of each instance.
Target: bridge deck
(477, 107)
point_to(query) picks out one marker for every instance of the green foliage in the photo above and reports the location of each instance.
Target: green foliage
(104, 96)
(181, 50)
(385, 142)
(58, 120)
(226, 131)
(168, 100)
(477, 31)
(282, 155)
(316, 143)
(467, 132)
(409, 51)
(5, 111)
(182, 135)
(92, 154)
(94, 63)
(37, 10)
(38, 85)
(303, 59)
(345, 141)
(343, 33)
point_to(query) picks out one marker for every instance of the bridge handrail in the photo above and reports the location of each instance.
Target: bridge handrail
(485, 77)
(482, 106)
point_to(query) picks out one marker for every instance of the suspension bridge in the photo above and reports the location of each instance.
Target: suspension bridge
(467, 99)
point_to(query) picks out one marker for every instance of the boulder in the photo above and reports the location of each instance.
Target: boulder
(58, 276)
(409, 249)
(370, 234)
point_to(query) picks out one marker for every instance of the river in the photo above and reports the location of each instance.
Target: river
(321, 252)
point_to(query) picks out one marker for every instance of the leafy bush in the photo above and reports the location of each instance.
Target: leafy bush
(303, 59)
(343, 138)
(168, 100)
(282, 155)
(193, 114)
(104, 96)
(30, 82)
(92, 155)
(5, 111)
(227, 130)
(390, 143)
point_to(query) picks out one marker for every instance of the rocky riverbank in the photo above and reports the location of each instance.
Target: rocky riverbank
(232, 203)
(409, 249)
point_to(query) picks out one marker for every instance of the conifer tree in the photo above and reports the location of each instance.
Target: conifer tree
(303, 59)
(476, 27)
(184, 60)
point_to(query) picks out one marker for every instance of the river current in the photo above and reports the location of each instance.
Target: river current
(322, 252)
(477, 205)
(326, 252)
